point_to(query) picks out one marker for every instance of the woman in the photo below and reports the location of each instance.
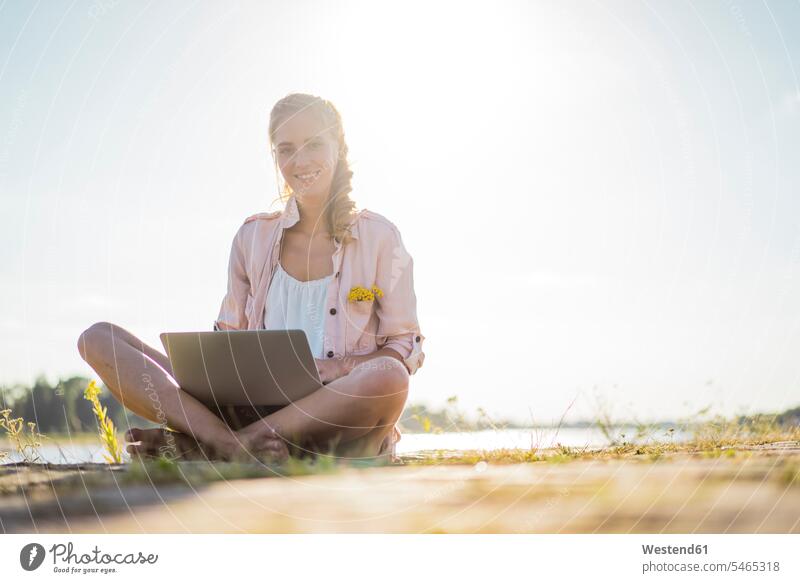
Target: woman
(342, 276)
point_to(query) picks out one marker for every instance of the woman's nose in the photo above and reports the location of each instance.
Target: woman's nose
(301, 156)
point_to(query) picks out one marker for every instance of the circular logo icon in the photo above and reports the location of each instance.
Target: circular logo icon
(31, 556)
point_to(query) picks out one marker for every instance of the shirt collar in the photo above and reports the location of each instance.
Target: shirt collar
(291, 215)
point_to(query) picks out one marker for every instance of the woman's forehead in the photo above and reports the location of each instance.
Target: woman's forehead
(299, 128)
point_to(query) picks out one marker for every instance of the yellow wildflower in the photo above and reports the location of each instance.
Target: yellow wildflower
(107, 433)
(362, 294)
(27, 445)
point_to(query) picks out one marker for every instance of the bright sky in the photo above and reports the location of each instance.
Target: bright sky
(601, 198)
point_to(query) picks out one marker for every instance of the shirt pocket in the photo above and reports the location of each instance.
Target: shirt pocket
(358, 319)
(360, 309)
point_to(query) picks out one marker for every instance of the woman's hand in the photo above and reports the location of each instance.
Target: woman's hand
(330, 369)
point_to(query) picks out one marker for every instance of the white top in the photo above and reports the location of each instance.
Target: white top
(295, 304)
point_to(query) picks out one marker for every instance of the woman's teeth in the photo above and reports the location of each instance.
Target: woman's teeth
(309, 176)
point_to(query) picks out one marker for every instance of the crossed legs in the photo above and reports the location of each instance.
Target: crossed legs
(355, 412)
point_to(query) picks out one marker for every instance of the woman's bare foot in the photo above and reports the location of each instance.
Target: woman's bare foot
(171, 444)
(267, 446)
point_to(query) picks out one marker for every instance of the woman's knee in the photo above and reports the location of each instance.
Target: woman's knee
(91, 337)
(98, 335)
(384, 376)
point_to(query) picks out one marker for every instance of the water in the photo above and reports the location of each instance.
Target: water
(518, 438)
(75, 452)
(91, 451)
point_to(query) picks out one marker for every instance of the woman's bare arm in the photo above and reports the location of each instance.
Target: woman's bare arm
(351, 361)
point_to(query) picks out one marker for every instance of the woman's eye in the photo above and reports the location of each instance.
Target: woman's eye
(315, 145)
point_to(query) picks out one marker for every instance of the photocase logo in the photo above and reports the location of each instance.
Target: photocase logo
(31, 556)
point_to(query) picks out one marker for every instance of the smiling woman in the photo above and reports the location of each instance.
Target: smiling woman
(295, 268)
(310, 154)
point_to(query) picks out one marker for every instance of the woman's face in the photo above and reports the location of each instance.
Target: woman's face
(306, 155)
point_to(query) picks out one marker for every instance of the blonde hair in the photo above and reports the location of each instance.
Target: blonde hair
(339, 208)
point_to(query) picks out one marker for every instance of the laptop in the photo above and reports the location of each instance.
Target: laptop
(243, 367)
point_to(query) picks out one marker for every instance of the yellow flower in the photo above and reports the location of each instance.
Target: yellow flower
(108, 434)
(27, 445)
(362, 294)
(92, 391)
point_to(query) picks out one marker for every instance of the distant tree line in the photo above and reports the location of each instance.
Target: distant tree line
(789, 418)
(62, 408)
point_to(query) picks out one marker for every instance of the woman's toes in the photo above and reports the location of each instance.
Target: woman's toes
(155, 438)
(153, 442)
(147, 436)
(133, 434)
(137, 451)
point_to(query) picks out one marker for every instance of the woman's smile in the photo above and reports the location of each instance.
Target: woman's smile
(308, 177)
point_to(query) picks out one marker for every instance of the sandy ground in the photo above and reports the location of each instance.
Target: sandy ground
(754, 491)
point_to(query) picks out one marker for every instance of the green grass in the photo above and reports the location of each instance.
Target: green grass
(712, 438)
(164, 470)
(448, 456)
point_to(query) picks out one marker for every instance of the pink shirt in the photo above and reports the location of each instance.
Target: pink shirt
(375, 257)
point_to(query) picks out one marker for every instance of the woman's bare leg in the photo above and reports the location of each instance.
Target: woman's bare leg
(136, 374)
(349, 418)
(359, 409)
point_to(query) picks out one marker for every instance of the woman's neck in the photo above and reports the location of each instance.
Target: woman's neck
(312, 220)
